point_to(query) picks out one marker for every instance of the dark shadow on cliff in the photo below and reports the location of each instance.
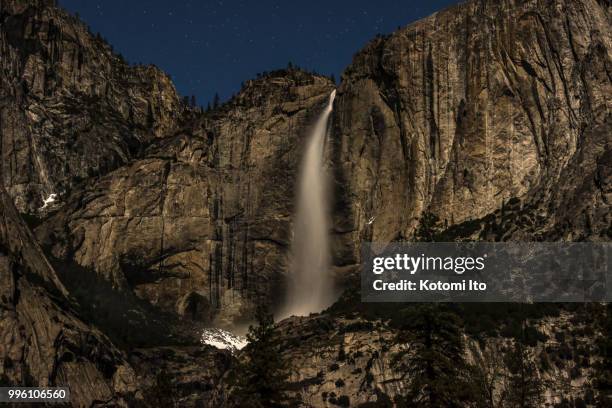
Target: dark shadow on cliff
(128, 321)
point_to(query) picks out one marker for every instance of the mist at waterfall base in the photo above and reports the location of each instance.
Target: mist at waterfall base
(310, 286)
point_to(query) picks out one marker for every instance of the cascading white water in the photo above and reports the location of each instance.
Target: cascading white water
(310, 284)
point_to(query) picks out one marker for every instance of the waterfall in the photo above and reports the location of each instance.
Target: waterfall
(310, 286)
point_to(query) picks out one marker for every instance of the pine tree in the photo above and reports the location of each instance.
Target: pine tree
(603, 382)
(426, 231)
(433, 359)
(261, 377)
(524, 387)
(163, 393)
(487, 374)
(216, 101)
(193, 101)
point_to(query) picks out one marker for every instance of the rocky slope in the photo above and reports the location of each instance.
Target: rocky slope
(178, 376)
(481, 103)
(69, 107)
(334, 356)
(44, 343)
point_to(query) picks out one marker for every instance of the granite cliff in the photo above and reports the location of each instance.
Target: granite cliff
(200, 225)
(476, 106)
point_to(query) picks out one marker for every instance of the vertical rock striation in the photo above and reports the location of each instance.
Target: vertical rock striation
(475, 105)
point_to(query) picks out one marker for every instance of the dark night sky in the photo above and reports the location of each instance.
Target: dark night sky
(212, 46)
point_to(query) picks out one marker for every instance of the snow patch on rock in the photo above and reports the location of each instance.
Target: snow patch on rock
(48, 201)
(223, 339)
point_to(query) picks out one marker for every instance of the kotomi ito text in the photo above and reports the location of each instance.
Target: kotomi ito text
(413, 264)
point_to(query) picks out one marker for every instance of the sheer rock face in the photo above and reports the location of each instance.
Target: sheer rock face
(330, 357)
(69, 107)
(201, 224)
(480, 103)
(43, 342)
